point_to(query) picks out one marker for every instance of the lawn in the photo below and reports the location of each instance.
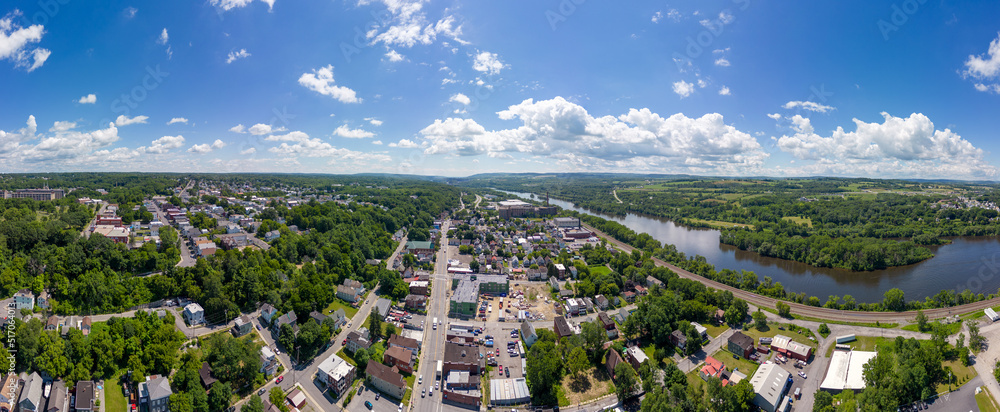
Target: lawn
(650, 350)
(952, 328)
(343, 355)
(339, 304)
(593, 384)
(866, 343)
(598, 270)
(715, 331)
(799, 220)
(113, 395)
(726, 357)
(962, 373)
(986, 402)
(409, 391)
(718, 224)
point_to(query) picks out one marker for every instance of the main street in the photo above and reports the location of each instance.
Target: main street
(812, 311)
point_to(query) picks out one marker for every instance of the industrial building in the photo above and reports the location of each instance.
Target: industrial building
(37, 194)
(770, 383)
(846, 371)
(468, 288)
(505, 392)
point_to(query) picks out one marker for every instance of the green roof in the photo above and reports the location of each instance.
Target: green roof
(416, 244)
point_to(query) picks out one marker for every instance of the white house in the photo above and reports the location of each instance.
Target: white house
(194, 314)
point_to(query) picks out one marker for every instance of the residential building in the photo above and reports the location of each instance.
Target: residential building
(267, 312)
(678, 339)
(609, 325)
(7, 398)
(31, 394)
(268, 361)
(713, 368)
(399, 357)
(318, 317)
(85, 325)
(614, 358)
(339, 318)
(85, 396)
(205, 374)
(24, 299)
(58, 399)
(416, 302)
(272, 235)
(242, 326)
(740, 344)
(155, 393)
(786, 346)
(702, 331)
(194, 314)
(337, 374)
(287, 319)
(52, 323)
(419, 287)
(601, 301)
(357, 340)
(562, 327)
(405, 343)
(348, 294)
(770, 383)
(635, 356)
(528, 334)
(296, 398)
(386, 379)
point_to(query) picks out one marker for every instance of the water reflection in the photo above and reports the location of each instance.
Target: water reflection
(969, 262)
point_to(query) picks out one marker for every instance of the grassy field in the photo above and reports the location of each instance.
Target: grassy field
(594, 384)
(597, 270)
(715, 331)
(718, 224)
(339, 304)
(866, 343)
(952, 328)
(745, 366)
(986, 402)
(799, 220)
(113, 395)
(962, 374)
(409, 390)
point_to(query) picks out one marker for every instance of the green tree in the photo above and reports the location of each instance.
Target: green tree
(784, 310)
(760, 320)
(180, 402)
(894, 300)
(737, 312)
(823, 402)
(921, 321)
(276, 396)
(219, 397)
(254, 404)
(375, 326)
(823, 329)
(594, 336)
(976, 340)
(578, 362)
(625, 380)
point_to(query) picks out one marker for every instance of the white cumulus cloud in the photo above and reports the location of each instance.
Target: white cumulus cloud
(394, 56)
(985, 68)
(62, 126)
(178, 120)
(487, 62)
(373, 121)
(321, 81)
(236, 55)
(165, 144)
(88, 99)
(683, 88)
(15, 41)
(164, 37)
(405, 144)
(810, 106)
(344, 131)
(124, 120)
(724, 91)
(460, 98)
(240, 128)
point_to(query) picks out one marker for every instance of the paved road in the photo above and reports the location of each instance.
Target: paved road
(812, 311)
(690, 362)
(433, 345)
(85, 233)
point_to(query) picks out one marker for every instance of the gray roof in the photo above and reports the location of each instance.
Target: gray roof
(32, 391)
(57, 397)
(159, 388)
(382, 306)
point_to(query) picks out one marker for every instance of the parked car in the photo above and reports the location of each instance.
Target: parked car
(261, 391)
(420, 380)
(423, 393)
(280, 378)
(368, 404)
(377, 394)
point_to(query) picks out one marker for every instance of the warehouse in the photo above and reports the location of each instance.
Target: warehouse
(846, 371)
(509, 392)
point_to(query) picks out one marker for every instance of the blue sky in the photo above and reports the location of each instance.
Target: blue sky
(742, 88)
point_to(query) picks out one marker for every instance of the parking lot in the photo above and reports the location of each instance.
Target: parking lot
(382, 404)
(501, 333)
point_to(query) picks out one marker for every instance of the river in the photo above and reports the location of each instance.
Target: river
(967, 263)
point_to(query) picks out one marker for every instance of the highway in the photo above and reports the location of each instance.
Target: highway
(812, 311)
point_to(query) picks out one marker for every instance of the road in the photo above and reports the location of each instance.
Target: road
(615, 192)
(433, 345)
(304, 374)
(812, 311)
(478, 199)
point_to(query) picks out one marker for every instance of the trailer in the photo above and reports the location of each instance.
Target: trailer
(992, 314)
(846, 338)
(440, 368)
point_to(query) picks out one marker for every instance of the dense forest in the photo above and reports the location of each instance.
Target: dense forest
(855, 224)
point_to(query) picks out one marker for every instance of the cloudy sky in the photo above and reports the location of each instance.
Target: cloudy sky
(733, 87)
